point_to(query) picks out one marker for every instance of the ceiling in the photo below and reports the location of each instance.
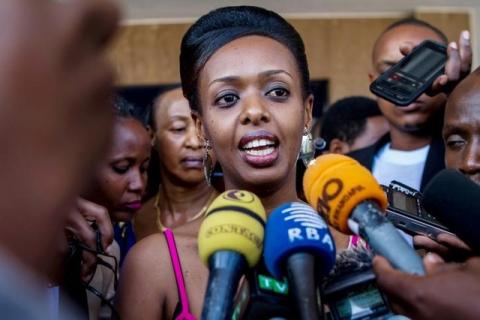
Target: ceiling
(190, 9)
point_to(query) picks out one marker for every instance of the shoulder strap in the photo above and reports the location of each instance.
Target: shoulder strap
(177, 269)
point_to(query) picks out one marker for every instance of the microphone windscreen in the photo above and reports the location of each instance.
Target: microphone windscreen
(453, 199)
(234, 221)
(296, 227)
(335, 184)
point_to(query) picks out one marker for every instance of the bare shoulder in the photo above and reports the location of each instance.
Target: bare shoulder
(150, 255)
(145, 279)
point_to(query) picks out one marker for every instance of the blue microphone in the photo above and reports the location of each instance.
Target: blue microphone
(299, 245)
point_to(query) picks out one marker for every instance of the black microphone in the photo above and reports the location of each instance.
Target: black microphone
(230, 240)
(261, 296)
(455, 200)
(298, 245)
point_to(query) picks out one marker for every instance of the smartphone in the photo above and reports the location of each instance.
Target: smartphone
(404, 82)
(406, 212)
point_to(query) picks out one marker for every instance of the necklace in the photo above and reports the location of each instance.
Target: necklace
(200, 213)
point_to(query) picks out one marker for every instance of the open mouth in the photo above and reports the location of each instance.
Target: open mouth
(259, 149)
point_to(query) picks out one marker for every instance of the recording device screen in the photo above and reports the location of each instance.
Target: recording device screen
(406, 212)
(404, 203)
(360, 303)
(427, 63)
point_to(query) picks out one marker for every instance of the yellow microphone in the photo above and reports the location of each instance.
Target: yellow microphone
(352, 201)
(230, 240)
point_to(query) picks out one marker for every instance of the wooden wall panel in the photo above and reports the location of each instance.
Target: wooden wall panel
(338, 49)
(148, 54)
(450, 23)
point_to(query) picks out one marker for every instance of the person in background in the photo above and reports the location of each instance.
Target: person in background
(413, 152)
(183, 192)
(55, 123)
(449, 290)
(118, 186)
(352, 123)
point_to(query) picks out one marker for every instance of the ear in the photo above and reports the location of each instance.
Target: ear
(372, 75)
(308, 107)
(338, 146)
(199, 128)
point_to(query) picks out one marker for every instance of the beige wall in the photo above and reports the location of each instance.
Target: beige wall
(338, 49)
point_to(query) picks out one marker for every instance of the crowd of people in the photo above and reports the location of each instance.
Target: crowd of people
(102, 204)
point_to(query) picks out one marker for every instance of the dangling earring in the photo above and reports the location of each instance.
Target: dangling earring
(307, 149)
(207, 162)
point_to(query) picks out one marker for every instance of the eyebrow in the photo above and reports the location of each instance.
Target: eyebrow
(180, 117)
(454, 129)
(388, 63)
(264, 74)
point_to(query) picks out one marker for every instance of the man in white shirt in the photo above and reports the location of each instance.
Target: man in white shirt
(412, 152)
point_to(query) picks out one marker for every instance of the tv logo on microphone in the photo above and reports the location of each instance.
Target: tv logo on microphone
(311, 225)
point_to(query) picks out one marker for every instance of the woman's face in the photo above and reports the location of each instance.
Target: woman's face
(177, 141)
(253, 112)
(121, 180)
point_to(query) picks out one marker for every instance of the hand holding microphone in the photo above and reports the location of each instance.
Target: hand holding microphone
(298, 244)
(352, 201)
(230, 239)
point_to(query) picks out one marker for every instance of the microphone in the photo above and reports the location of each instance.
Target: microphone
(453, 199)
(351, 200)
(298, 244)
(230, 240)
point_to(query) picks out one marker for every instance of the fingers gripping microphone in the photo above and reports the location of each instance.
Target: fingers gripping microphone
(351, 200)
(298, 244)
(453, 199)
(230, 239)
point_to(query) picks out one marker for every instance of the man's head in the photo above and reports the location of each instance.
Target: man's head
(352, 123)
(461, 130)
(55, 116)
(418, 117)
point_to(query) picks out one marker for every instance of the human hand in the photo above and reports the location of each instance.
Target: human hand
(79, 225)
(448, 246)
(457, 67)
(448, 291)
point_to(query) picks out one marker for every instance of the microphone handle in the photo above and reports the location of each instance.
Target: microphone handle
(385, 239)
(226, 267)
(300, 270)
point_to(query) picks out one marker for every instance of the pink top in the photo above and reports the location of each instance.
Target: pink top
(177, 269)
